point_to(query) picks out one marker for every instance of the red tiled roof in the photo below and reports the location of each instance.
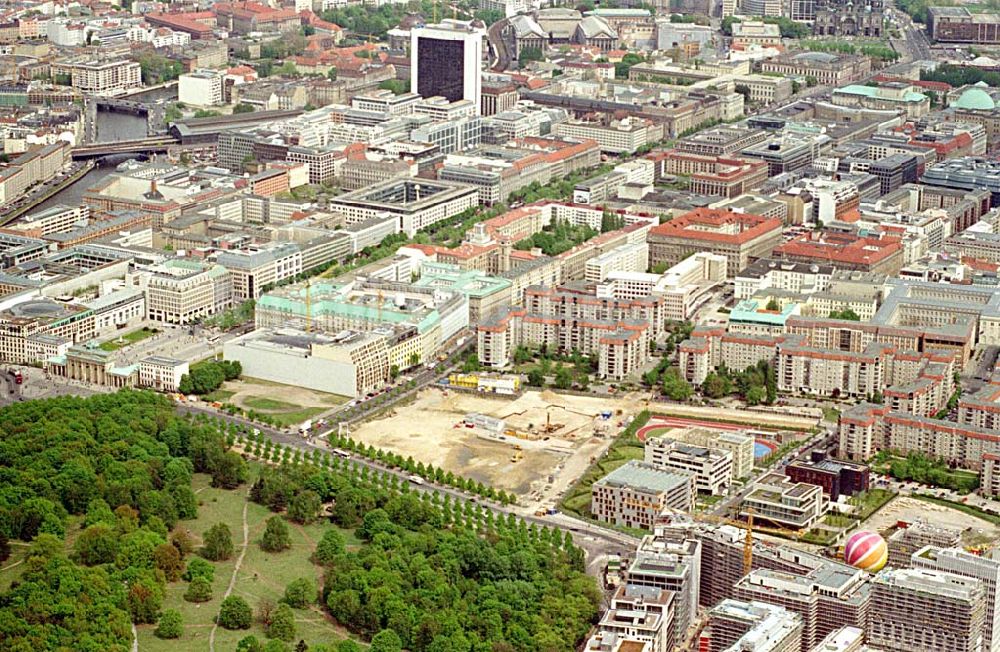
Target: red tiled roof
(687, 226)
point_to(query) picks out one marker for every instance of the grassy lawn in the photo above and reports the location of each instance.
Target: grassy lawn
(219, 395)
(296, 416)
(871, 501)
(262, 575)
(819, 537)
(270, 404)
(831, 414)
(128, 338)
(838, 520)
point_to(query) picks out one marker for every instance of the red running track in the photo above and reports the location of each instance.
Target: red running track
(666, 422)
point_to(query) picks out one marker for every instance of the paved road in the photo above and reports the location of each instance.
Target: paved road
(10, 391)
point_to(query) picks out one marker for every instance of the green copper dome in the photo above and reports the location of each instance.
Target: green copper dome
(975, 99)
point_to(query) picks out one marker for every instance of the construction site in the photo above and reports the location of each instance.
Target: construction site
(535, 445)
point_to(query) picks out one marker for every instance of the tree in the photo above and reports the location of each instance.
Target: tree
(276, 537)
(716, 385)
(623, 67)
(530, 54)
(756, 395)
(98, 544)
(847, 313)
(218, 543)
(564, 378)
(773, 305)
(727, 24)
(171, 625)
(304, 507)
(386, 641)
(198, 567)
(235, 613)
(243, 108)
(199, 590)
(181, 539)
(675, 387)
(144, 599)
(168, 559)
(331, 545)
(347, 645)
(536, 378)
(275, 645)
(300, 593)
(744, 90)
(249, 644)
(397, 86)
(4, 547)
(282, 625)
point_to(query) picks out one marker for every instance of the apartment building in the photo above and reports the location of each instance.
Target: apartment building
(672, 566)
(643, 614)
(626, 258)
(618, 331)
(865, 429)
(105, 77)
(201, 88)
(776, 499)
(712, 468)
(634, 495)
(741, 238)
(181, 291)
(736, 626)
(827, 597)
(959, 561)
(920, 610)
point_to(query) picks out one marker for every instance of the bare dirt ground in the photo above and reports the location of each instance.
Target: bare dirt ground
(425, 430)
(904, 508)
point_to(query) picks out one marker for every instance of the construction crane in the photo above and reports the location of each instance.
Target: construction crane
(748, 544)
(744, 525)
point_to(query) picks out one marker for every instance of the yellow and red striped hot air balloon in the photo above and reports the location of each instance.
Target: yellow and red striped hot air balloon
(867, 551)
